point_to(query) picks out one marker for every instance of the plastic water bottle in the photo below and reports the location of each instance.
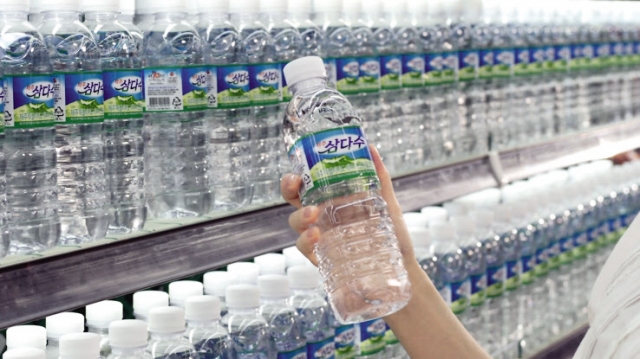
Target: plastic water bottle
(61, 324)
(166, 329)
(32, 207)
(24, 353)
(370, 339)
(80, 345)
(35, 12)
(271, 263)
(216, 283)
(99, 316)
(204, 329)
(421, 239)
(127, 10)
(284, 321)
(27, 336)
(79, 116)
(146, 300)
(123, 102)
(145, 15)
(245, 272)
(128, 340)
(249, 331)
(177, 168)
(181, 290)
(230, 119)
(327, 148)
(313, 311)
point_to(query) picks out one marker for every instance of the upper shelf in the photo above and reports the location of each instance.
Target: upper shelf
(71, 279)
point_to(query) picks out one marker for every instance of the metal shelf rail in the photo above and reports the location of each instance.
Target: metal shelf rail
(71, 279)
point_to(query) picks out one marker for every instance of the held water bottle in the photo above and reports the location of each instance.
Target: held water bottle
(327, 148)
(128, 340)
(204, 329)
(79, 116)
(123, 102)
(31, 158)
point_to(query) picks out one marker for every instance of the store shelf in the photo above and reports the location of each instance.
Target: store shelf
(70, 278)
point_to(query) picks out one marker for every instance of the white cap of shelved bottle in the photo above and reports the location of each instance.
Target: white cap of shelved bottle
(166, 320)
(320, 6)
(246, 272)
(80, 346)
(420, 237)
(101, 6)
(271, 263)
(204, 308)
(274, 286)
(145, 7)
(273, 6)
(299, 6)
(216, 282)
(181, 290)
(243, 296)
(213, 6)
(127, 7)
(24, 353)
(60, 5)
(13, 5)
(170, 6)
(244, 6)
(35, 6)
(26, 336)
(64, 323)
(416, 219)
(455, 209)
(304, 277)
(442, 231)
(304, 68)
(146, 300)
(464, 225)
(435, 214)
(101, 314)
(294, 257)
(128, 333)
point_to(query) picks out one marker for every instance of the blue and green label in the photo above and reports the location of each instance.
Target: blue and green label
(460, 293)
(468, 62)
(345, 341)
(537, 58)
(29, 101)
(542, 261)
(300, 353)
(450, 66)
(2, 104)
(561, 58)
(372, 334)
(485, 63)
(478, 288)
(369, 79)
(390, 337)
(79, 97)
(324, 349)
(347, 74)
(233, 86)
(412, 70)
(123, 94)
(521, 61)
(175, 89)
(390, 72)
(265, 84)
(496, 278)
(528, 267)
(433, 69)
(503, 62)
(514, 270)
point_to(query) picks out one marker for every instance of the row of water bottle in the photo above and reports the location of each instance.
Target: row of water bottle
(252, 310)
(517, 264)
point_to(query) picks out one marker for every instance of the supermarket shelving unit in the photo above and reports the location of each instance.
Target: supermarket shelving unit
(70, 279)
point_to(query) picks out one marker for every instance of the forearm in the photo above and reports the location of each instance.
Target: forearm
(427, 328)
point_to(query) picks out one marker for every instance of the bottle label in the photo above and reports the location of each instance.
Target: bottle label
(372, 336)
(580, 241)
(528, 266)
(331, 68)
(617, 53)
(554, 255)
(485, 63)
(265, 84)
(514, 269)
(592, 234)
(233, 86)
(390, 337)
(2, 104)
(561, 58)
(635, 59)
(433, 68)
(537, 58)
(496, 277)
(123, 91)
(300, 353)
(478, 288)
(175, 88)
(412, 70)
(627, 219)
(369, 80)
(324, 349)
(345, 341)
(603, 229)
(614, 224)
(460, 293)
(577, 61)
(601, 55)
(450, 66)
(542, 262)
(348, 72)
(445, 293)
(29, 101)
(390, 72)
(521, 61)
(79, 97)
(503, 62)
(331, 156)
(468, 65)
(629, 53)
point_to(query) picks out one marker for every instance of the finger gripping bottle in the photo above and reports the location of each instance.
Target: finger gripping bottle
(358, 252)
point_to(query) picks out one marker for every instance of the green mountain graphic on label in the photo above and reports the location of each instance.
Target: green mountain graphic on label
(36, 108)
(199, 94)
(267, 90)
(126, 100)
(344, 350)
(368, 79)
(88, 104)
(392, 76)
(341, 161)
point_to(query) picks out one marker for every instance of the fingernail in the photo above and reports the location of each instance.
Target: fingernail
(309, 211)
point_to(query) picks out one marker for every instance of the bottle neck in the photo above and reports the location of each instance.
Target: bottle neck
(125, 19)
(102, 16)
(215, 17)
(298, 16)
(244, 311)
(202, 323)
(53, 342)
(305, 291)
(171, 16)
(282, 301)
(136, 352)
(61, 15)
(245, 18)
(166, 336)
(14, 15)
(327, 17)
(273, 17)
(309, 85)
(97, 330)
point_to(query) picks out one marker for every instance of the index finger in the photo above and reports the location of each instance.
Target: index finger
(289, 187)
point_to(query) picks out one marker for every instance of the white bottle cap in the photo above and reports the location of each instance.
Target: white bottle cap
(271, 263)
(166, 320)
(274, 286)
(101, 314)
(102, 5)
(204, 307)
(244, 6)
(273, 6)
(216, 283)
(246, 273)
(435, 214)
(80, 346)
(145, 7)
(483, 216)
(192, 7)
(299, 6)
(24, 353)
(27, 336)
(455, 209)
(35, 6)
(464, 225)
(64, 323)
(170, 6)
(320, 6)
(442, 231)
(420, 236)
(295, 258)
(128, 333)
(213, 6)
(181, 290)
(352, 7)
(13, 5)
(148, 299)
(304, 68)
(243, 296)
(415, 219)
(394, 7)
(60, 5)
(304, 277)
(127, 7)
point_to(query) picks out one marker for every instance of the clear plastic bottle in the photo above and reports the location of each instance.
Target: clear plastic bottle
(128, 340)
(204, 329)
(31, 162)
(258, 51)
(99, 316)
(127, 10)
(166, 329)
(80, 345)
(146, 300)
(216, 283)
(284, 321)
(421, 239)
(61, 324)
(327, 148)
(35, 12)
(23, 353)
(230, 118)
(79, 113)
(124, 125)
(249, 331)
(177, 168)
(145, 15)
(27, 336)
(313, 311)
(180, 290)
